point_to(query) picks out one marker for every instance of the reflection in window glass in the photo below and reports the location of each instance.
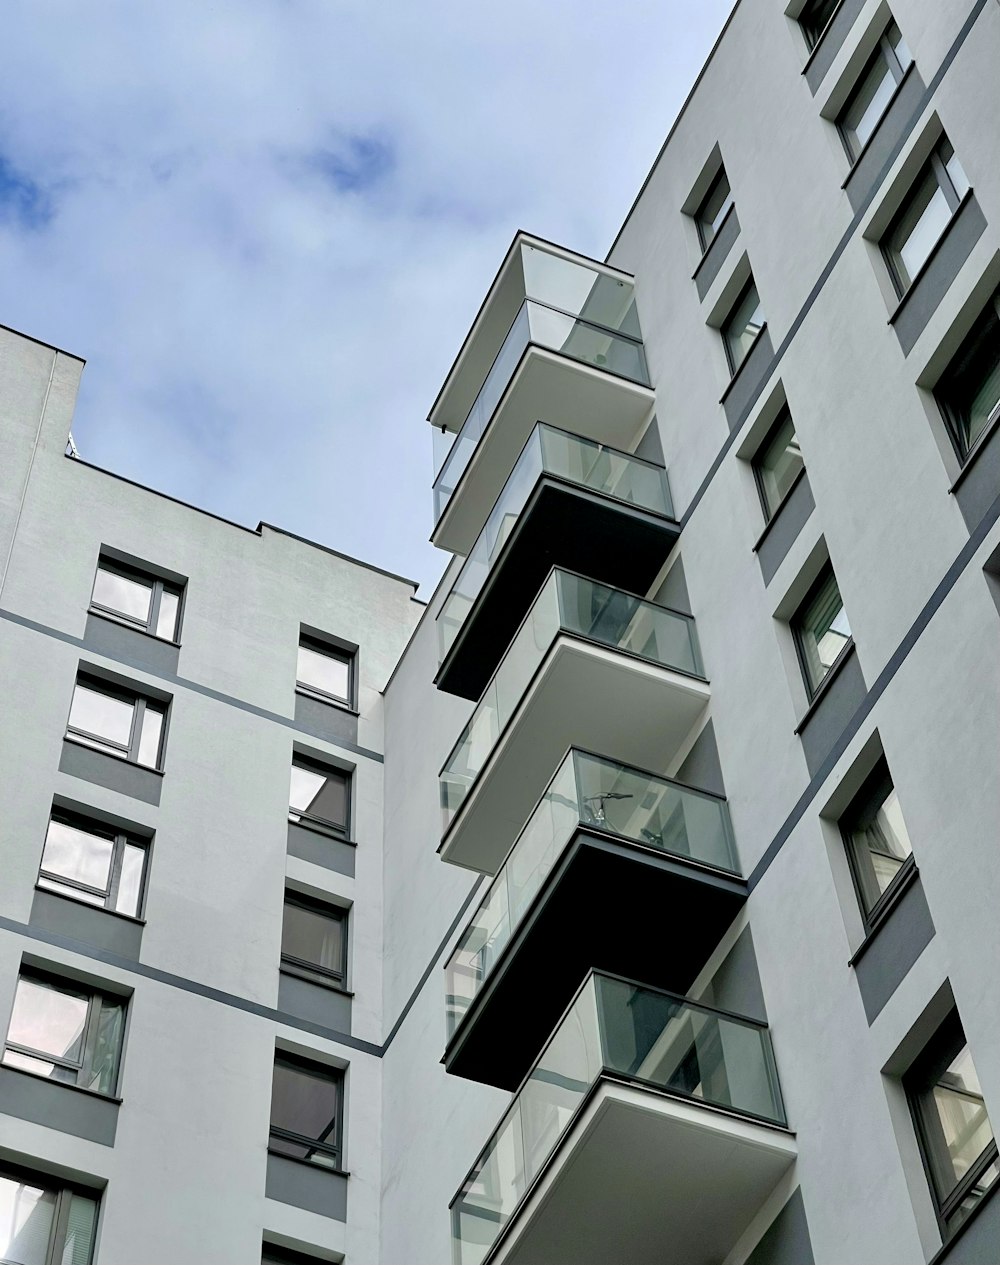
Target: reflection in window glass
(326, 671)
(814, 18)
(81, 856)
(102, 716)
(878, 841)
(305, 1111)
(875, 90)
(822, 629)
(312, 937)
(128, 597)
(743, 326)
(149, 738)
(32, 1232)
(924, 216)
(128, 727)
(150, 603)
(93, 863)
(778, 464)
(969, 391)
(166, 619)
(714, 209)
(318, 796)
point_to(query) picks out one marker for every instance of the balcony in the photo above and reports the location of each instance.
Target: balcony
(655, 858)
(650, 1130)
(590, 666)
(569, 502)
(558, 339)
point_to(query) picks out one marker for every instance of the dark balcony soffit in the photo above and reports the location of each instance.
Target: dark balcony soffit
(562, 525)
(608, 905)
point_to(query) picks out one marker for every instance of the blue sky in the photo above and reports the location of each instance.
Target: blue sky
(268, 224)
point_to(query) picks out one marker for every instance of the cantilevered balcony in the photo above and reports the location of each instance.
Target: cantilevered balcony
(557, 339)
(569, 502)
(649, 1131)
(616, 869)
(590, 666)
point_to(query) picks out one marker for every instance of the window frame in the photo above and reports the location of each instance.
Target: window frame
(335, 1149)
(119, 838)
(869, 794)
(322, 824)
(885, 51)
(725, 329)
(784, 413)
(158, 587)
(139, 702)
(317, 645)
(936, 167)
(311, 971)
(813, 690)
(85, 1066)
(700, 218)
(812, 34)
(64, 1192)
(952, 420)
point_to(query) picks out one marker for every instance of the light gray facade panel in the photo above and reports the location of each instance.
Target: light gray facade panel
(307, 1186)
(60, 1107)
(825, 52)
(701, 767)
(105, 770)
(130, 646)
(786, 1240)
(717, 253)
(325, 720)
(321, 849)
(784, 527)
(314, 1003)
(832, 713)
(749, 380)
(735, 984)
(895, 946)
(977, 490)
(86, 923)
(893, 128)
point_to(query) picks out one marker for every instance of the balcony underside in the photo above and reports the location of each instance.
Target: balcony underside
(582, 695)
(564, 526)
(608, 906)
(550, 388)
(647, 1179)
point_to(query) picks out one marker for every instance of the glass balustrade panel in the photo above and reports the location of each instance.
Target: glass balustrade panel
(580, 290)
(586, 343)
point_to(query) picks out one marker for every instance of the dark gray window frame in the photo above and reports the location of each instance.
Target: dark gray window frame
(724, 329)
(816, 691)
(332, 650)
(321, 824)
(310, 971)
(64, 1192)
(771, 514)
(935, 166)
(700, 218)
(158, 585)
(119, 838)
(923, 1075)
(95, 997)
(813, 34)
(871, 792)
(334, 1149)
(107, 746)
(965, 453)
(885, 52)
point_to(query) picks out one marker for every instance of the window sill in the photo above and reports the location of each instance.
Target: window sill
(77, 1089)
(328, 699)
(856, 162)
(134, 764)
(894, 894)
(295, 1159)
(109, 618)
(316, 829)
(743, 363)
(777, 513)
(822, 36)
(824, 686)
(894, 315)
(98, 909)
(975, 451)
(945, 1250)
(718, 233)
(286, 968)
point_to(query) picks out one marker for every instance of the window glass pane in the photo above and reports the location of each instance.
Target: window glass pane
(714, 209)
(814, 18)
(166, 619)
(100, 714)
(964, 1129)
(107, 1046)
(49, 1019)
(126, 596)
(778, 464)
(130, 880)
(306, 1102)
(76, 893)
(868, 104)
(919, 227)
(959, 180)
(319, 794)
(77, 854)
(899, 46)
(823, 630)
(149, 739)
(743, 326)
(313, 936)
(970, 391)
(329, 673)
(80, 1230)
(26, 1216)
(880, 842)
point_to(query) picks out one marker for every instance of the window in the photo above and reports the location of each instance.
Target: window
(713, 210)
(325, 671)
(878, 845)
(314, 939)
(778, 464)
(821, 630)
(924, 216)
(117, 722)
(875, 89)
(42, 1221)
(745, 322)
(969, 391)
(65, 1032)
(319, 796)
(814, 19)
(953, 1129)
(306, 1104)
(143, 601)
(93, 863)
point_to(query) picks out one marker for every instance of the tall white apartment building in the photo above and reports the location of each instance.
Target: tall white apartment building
(635, 900)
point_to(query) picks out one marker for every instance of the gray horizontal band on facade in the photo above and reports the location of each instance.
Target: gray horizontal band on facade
(183, 683)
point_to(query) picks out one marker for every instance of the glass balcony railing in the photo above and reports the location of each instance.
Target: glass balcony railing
(583, 462)
(598, 794)
(542, 326)
(566, 603)
(629, 1032)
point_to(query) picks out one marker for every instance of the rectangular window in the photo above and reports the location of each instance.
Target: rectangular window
(921, 221)
(306, 1108)
(713, 210)
(325, 671)
(778, 464)
(815, 18)
(65, 1032)
(821, 630)
(875, 89)
(142, 600)
(319, 796)
(878, 845)
(43, 1221)
(314, 939)
(969, 390)
(744, 324)
(117, 722)
(953, 1128)
(93, 863)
